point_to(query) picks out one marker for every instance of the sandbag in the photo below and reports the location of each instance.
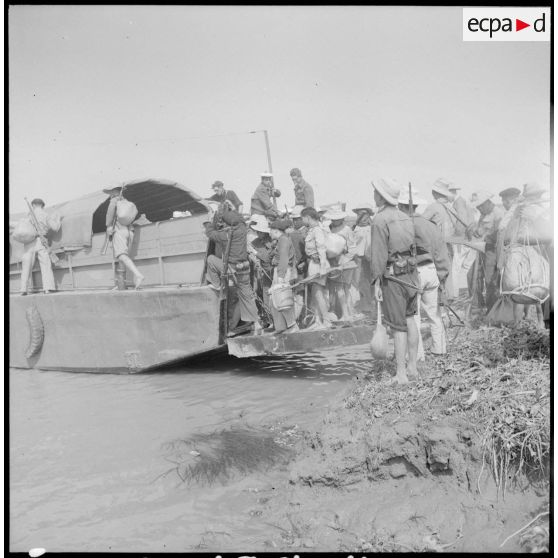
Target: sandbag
(24, 231)
(335, 245)
(525, 275)
(501, 312)
(126, 212)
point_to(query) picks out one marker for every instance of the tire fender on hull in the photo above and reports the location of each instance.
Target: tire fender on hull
(36, 332)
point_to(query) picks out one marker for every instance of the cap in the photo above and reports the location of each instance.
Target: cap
(483, 197)
(266, 175)
(508, 192)
(295, 172)
(364, 206)
(38, 201)
(217, 184)
(281, 224)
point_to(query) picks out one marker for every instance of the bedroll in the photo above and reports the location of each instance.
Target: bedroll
(126, 212)
(525, 276)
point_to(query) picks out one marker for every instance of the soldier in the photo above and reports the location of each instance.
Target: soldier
(340, 281)
(238, 266)
(433, 268)
(298, 236)
(227, 197)
(442, 215)
(36, 248)
(394, 275)
(263, 197)
(361, 278)
(318, 266)
(122, 239)
(304, 194)
(482, 277)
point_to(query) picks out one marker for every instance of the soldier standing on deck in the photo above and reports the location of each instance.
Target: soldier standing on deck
(239, 266)
(263, 198)
(122, 238)
(36, 249)
(304, 193)
(394, 275)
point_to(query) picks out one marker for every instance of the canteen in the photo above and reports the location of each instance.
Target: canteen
(379, 343)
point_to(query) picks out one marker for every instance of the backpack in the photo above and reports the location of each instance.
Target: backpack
(126, 212)
(24, 231)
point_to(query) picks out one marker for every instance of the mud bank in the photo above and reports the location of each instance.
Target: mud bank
(432, 466)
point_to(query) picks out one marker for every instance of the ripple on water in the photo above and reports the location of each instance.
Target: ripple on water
(86, 448)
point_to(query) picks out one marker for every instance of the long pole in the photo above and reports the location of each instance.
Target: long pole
(269, 167)
(268, 150)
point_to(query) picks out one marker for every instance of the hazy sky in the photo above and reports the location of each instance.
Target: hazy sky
(102, 94)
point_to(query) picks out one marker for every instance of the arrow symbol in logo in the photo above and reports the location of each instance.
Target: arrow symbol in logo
(519, 25)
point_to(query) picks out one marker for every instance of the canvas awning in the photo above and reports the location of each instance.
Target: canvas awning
(85, 216)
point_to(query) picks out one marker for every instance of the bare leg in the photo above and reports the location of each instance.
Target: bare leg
(400, 342)
(518, 312)
(412, 346)
(343, 303)
(130, 265)
(540, 318)
(319, 305)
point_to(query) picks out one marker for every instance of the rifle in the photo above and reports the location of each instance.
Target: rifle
(224, 291)
(109, 237)
(412, 214)
(34, 221)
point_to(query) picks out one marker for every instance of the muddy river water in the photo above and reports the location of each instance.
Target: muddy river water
(87, 451)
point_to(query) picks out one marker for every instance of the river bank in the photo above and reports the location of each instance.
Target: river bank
(458, 461)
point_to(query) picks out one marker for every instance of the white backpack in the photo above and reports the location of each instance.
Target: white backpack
(126, 212)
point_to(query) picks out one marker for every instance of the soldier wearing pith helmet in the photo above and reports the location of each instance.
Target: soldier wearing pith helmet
(394, 274)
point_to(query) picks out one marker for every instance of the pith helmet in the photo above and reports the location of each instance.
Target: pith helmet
(441, 186)
(388, 188)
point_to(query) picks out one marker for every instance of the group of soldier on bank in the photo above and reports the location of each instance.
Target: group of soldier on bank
(407, 261)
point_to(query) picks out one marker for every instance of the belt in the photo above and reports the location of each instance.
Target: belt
(426, 262)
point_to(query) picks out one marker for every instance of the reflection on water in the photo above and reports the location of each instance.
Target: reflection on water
(87, 451)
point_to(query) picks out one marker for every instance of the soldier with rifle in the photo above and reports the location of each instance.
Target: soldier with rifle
(38, 247)
(433, 268)
(394, 276)
(121, 233)
(233, 265)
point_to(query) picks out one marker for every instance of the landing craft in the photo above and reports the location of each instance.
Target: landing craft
(88, 327)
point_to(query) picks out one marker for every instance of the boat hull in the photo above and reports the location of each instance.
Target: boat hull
(246, 346)
(113, 331)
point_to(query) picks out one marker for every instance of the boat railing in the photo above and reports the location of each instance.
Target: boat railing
(166, 252)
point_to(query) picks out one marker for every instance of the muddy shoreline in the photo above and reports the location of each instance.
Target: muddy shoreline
(407, 469)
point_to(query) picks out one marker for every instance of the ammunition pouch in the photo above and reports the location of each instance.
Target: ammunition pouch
(240, 266)
(403, 265)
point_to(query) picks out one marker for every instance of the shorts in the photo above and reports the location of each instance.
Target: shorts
(121, 240)
(399, 302)
(313, 268)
